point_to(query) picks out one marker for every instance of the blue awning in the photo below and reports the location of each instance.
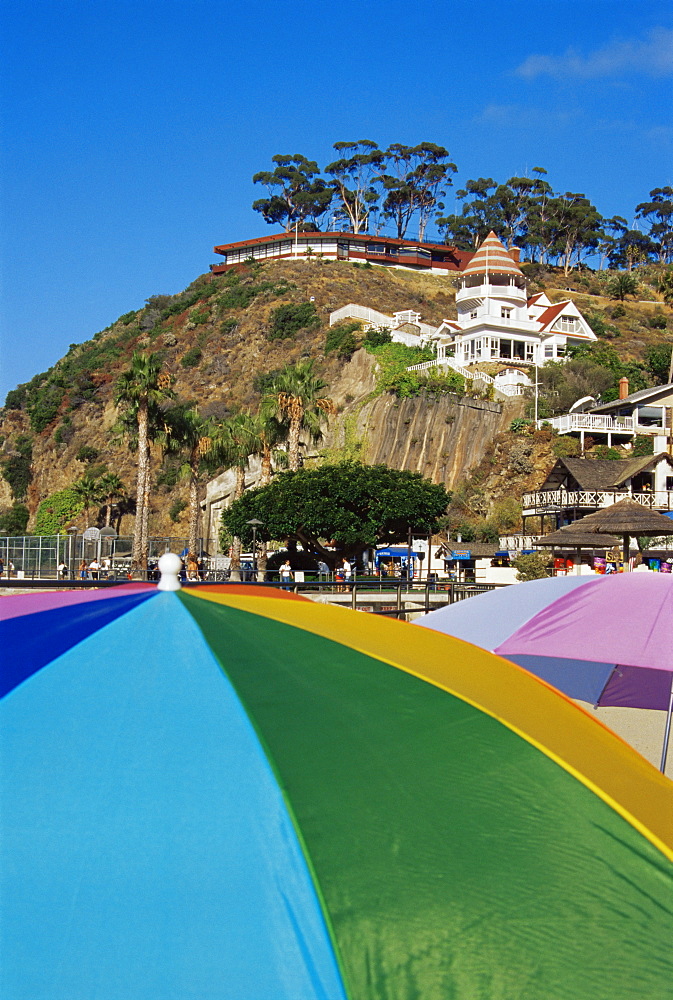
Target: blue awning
(398, 551)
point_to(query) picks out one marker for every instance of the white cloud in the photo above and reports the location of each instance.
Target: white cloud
(652, 56)
(526, 117)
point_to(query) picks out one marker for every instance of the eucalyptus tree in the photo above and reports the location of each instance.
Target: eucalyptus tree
(658, 213)
(139, 392)
(296, 397)
(296, 192)
(353, 180)
(578, 228)
(479, 215)
(414, 179)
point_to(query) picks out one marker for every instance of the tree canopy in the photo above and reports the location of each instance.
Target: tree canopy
(368, 188)
(339, 510)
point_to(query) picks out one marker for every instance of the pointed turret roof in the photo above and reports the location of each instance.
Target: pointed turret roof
(492, 258)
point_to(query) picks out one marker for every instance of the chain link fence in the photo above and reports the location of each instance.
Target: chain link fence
(38, 557)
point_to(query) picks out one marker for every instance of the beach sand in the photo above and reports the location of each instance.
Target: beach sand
(641, 727)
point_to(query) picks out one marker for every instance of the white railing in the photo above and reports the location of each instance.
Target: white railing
(547, 500)
(376, 318)
(590, 422)
(511, 390)
(505, 390)
(443, 363)
(515, 543)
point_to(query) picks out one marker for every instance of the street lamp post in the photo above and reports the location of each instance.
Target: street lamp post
(72, 536)
(254, 524)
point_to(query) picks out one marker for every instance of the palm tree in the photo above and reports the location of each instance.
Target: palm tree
(111, 488)
(270, 432)
(139, 389)
(234, 440)
(187, 431)
(295, 397)
(88, 489)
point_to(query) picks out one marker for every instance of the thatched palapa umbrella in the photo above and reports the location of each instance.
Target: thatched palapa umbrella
(570, 537)
(626, 518)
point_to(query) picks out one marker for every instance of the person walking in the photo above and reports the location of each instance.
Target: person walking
(286, 575)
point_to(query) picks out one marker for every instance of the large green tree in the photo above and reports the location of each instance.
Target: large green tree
(140, 390)
(339, 510)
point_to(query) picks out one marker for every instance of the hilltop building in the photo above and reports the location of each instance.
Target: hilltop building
(437, 258)
(497, 322)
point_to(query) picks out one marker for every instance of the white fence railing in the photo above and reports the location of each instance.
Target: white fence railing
(505, 390)
(549, 500)
(569, 422)
(376, 318)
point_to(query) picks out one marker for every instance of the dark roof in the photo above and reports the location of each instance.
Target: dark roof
(635, 397)
(601, 473)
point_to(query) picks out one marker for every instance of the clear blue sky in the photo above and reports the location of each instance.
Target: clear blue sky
(131, 130)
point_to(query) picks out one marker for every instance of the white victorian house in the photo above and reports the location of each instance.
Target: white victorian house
(497, 322)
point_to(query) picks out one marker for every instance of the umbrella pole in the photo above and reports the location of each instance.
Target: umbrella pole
(667, 733)
(627, 548)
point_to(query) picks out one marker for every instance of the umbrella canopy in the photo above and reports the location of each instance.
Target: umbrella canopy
(605, 640)
(231, 792)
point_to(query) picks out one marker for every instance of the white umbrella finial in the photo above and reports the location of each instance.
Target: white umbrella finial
(170, 565)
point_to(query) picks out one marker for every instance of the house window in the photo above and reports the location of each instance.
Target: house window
(505, 313)
(495, 347)
(567, 324)
(549, 350)
(473, 314)
(669, 482)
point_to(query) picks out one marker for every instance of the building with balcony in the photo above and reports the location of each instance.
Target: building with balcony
(648, 411)
(579, 486)
(497, 322)
(437, 258)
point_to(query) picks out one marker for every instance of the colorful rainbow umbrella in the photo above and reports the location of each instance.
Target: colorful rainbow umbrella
(606, 640)
(231, 792)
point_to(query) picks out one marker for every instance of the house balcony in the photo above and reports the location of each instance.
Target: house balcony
(470, 296)
(594, 423)
(586, 501)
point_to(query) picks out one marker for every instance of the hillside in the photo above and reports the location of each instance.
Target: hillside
(220, 337)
